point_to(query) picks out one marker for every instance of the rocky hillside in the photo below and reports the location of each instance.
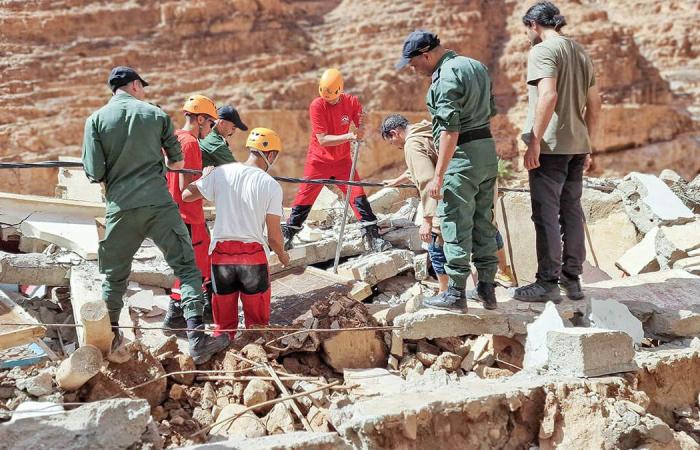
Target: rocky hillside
(265, 56)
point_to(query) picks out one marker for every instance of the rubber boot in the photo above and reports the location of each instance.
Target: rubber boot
(485, 293)
(203, 346)
(289, 231)
(373, 242)
(174, 320)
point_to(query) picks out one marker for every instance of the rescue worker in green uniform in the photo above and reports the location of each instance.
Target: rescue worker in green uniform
(123, 148)
(215, 149)
(461, 104)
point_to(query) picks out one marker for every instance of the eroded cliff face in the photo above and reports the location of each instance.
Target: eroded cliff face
(265, 57)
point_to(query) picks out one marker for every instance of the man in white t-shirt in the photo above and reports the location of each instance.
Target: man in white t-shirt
(247, 201)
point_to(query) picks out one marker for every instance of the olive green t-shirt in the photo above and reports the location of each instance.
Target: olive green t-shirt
(564, 59)
(215, 150)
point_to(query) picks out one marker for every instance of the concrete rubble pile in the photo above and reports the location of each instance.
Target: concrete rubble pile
(616, 370)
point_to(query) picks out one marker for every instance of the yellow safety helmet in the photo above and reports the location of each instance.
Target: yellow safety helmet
(199, 104)
(331, 85)
(264, 139)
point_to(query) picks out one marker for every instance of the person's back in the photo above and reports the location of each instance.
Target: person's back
(131, 133)
(243, 196)
(562, 58)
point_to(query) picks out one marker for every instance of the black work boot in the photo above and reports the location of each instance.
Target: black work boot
(539, 291)
(453, 299)
(207, 314)
(485, 293)
(571, 287)
(373, 242)
(289, 231)
(203, 346)
(174, 320)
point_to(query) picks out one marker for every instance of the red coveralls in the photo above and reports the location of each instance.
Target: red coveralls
(192, 213)
(330, 162)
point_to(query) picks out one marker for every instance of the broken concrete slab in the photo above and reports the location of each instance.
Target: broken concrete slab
(642, 257)
(386, 200)
(33, 268)
(536, 349)
(117, 423)
(613, 315)
(690, 264)
(406, 238)
(376, 381)
(376, 267)
(472, 414)
(666, 302)
(509, 319)
(301, 440)
(74, 185)
(675, 242)
(649, 202)
(589, 352)
(12, 335)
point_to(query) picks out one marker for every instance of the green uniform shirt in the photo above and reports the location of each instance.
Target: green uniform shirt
(122, 149)
(564, 59)
(459, 98)
(215, 151)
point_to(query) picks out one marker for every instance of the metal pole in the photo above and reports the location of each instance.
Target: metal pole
(355, 152)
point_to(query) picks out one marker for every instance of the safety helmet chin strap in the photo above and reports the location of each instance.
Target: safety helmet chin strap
(268, 163)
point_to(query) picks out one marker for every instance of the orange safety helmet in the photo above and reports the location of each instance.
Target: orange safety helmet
(264, 139)
(331, 85)
(199, 104)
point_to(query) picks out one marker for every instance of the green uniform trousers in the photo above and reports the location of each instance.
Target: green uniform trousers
(125, 231)
(466, 212)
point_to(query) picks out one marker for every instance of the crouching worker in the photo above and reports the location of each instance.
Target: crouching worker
(247, 202)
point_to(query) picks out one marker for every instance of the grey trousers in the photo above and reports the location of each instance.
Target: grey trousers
(555, 192)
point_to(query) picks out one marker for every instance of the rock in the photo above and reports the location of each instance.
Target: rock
(208, 399)
(177, 392)
(589, 352)
(203, 417)
(256, 353)
(690, 264)
(613, 315)
(674, 242)
(536, 350)
(181, 363)
(108, 424)
(279, 420)
(649, 202)
(355, 350)
(452, 344)
(38, 385)
(448, 361)
(427, 353)
(245, 425)
(258, 391)
(386, 200)
(642, 257)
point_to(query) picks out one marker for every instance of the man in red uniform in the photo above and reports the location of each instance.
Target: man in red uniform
(329, 157)
(200, 114)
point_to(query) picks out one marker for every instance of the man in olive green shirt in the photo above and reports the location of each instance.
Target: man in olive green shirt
(215, 149)
(461, 105)
(563, 112)
(122, 149)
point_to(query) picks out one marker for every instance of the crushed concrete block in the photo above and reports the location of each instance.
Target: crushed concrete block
(38, 385)
(674, 242)
(666, 301)
(420, 266)
(613, 315)
(386, 200)
(376, 267)
(536, 351)
(642, 257)
(246, 425)
(690, 264)
(407, 238)
(589, 352)
(649, 202)
(427, 353)
(117, 423)
(308, 234)
(258, 391)
(448, 361)
(279, 420)
(355, 350)
(476, 349)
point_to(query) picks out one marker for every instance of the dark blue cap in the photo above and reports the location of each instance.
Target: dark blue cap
(417, 43)
(229, 113)
(121, 76)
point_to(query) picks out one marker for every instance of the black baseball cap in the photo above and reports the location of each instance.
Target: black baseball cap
(229, 113)
(121, 76)
(417, 43)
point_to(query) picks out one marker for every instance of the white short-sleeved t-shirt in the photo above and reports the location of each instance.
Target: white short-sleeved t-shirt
(243, 197)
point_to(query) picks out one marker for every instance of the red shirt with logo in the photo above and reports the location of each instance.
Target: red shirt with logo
(191, 212)
(332, 120)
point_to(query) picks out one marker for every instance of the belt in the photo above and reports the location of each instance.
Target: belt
(473, 135)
